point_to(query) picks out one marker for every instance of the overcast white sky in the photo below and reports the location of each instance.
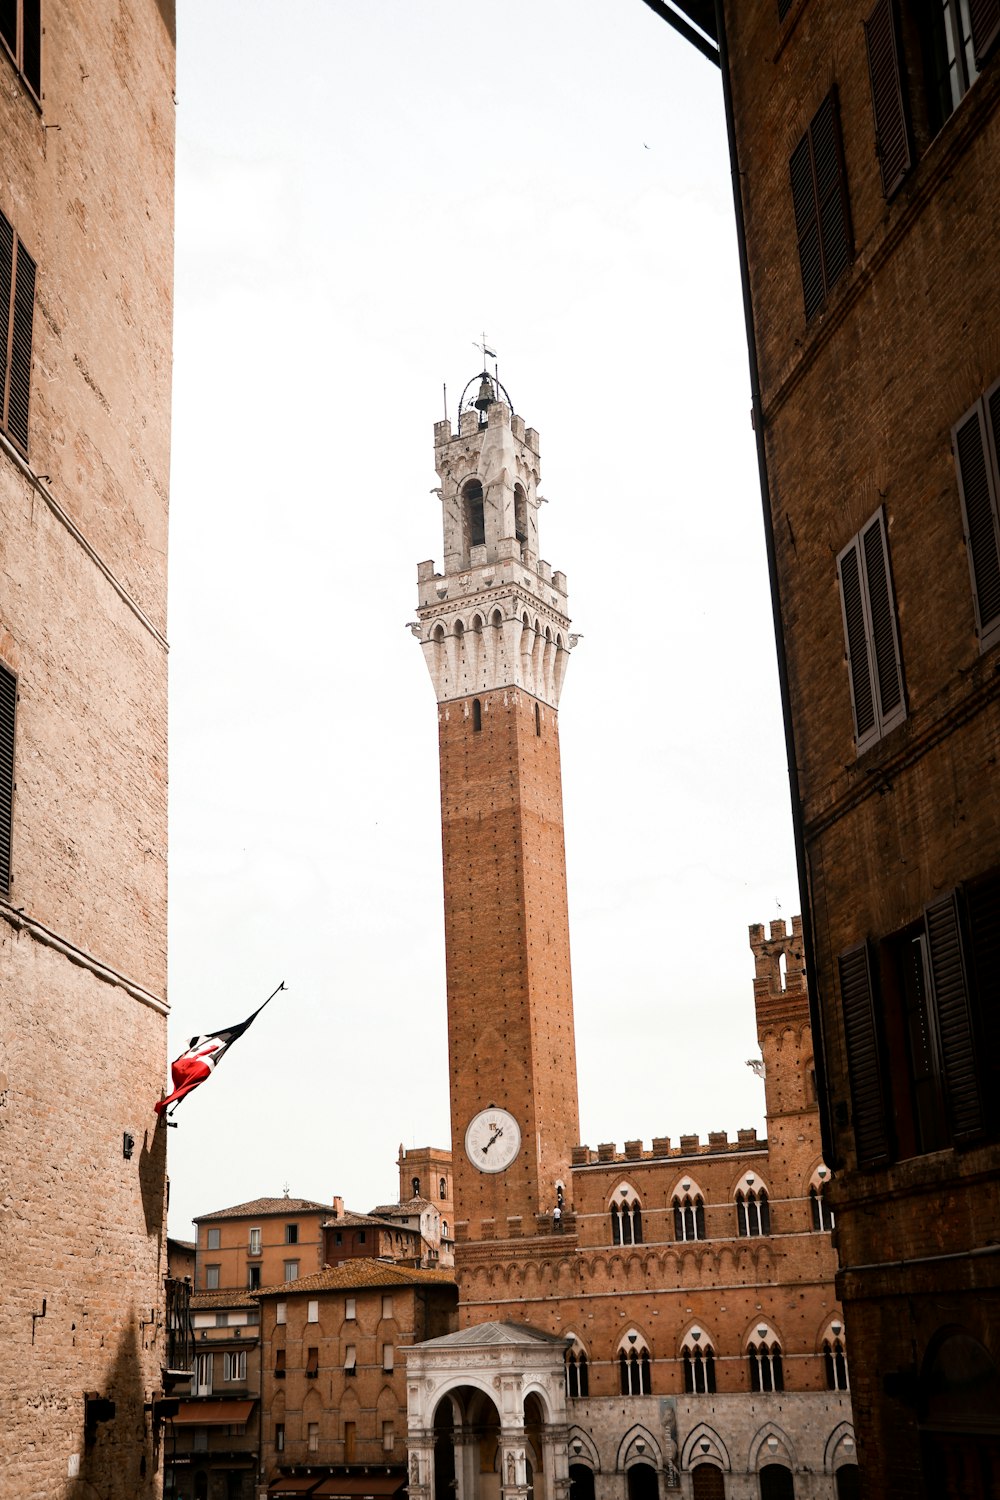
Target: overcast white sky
(363, 187)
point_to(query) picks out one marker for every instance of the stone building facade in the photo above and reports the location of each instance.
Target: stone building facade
(334, 1389)
(864, 139)
(261, 1243)
(86, 263)
(213, 1441)
(632, 1323)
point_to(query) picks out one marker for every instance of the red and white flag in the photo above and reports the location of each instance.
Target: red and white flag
(202, 1057)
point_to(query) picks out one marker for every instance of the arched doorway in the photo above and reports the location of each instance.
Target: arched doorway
(776, 1483)
(581, 1482)
(708, 1483)
(642, 1482)
(444, 1452)
(848, 1482)
(466, 1446)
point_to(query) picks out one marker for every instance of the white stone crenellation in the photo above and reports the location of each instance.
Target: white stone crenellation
(496, 616)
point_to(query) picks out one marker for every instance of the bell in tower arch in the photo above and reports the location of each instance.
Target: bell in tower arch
(486, 397)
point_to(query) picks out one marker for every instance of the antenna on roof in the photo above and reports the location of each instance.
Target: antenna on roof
(286, 1189)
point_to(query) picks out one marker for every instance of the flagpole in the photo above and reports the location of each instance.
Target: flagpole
(173, 1108)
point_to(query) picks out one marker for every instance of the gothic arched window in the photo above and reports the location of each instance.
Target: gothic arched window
(689, 1215)
(443, 1188)
(415, 1185)
(819, 1208)
(577, 1374)
(634, 1366)
(753, 1212)
(520, 514)
(835, 1358)
(475, 520)
(477, 724)
(699, 1364)
(764, 1355)
(626, 1219)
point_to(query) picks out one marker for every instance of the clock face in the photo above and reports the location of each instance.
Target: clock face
(492, 1140)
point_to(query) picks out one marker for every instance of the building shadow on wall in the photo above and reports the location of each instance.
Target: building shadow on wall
(117, 1458)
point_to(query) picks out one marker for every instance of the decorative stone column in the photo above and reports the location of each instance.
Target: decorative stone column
(513, 1470)
(555, 1461)
(420, 1465)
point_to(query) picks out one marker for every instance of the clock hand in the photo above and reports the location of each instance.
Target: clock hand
(494, 1137)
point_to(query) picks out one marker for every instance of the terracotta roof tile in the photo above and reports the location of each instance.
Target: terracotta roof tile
(359, 1273)
(234, 1297)
(352, 1219)
(259, 1208)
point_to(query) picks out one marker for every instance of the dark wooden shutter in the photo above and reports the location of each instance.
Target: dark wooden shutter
(982, 911)
(819, 198)
(807, 226)
(858, 664)
(892, 127)
(954, 1018)
(6, 287)
(976, 439)
(831, 191)
(882, 621)
(8, 702)
(8, 25)
(871, 1136)
(22, 320)
(31, 45)
(985, 18)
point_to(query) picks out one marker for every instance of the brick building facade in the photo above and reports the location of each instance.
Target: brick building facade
(86, 263)
(864, 139)
(632, 1323)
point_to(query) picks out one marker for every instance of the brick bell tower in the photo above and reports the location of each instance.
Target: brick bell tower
(495, 635)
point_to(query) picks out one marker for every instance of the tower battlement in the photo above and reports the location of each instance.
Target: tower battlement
(496, 617)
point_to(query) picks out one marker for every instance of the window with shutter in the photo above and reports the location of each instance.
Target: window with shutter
(864, 1062)
(8, 703)
(963, 1094)
(892, 126)
(976, 442)
(819, 198)
(874, 662)
(984, 16)
(21, 35)
(17, 311)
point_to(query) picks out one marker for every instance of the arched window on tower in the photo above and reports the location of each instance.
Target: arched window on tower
(634, 1374)
(521, 515)
(835, 1357)
(699, 1363)
(443, 1181)
(415, 1185)
(577, 1374)
(477, 724)
(819, 1208)
(538, 719)
(753, 1212)
(689, 1211)
(475, 518)
(626, 1218)
(764, 1356)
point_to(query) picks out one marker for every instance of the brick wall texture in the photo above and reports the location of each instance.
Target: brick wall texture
(510, 1004)
(87, 183)
(858, 406)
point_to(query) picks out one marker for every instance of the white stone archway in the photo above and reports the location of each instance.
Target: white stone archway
(479, 1404)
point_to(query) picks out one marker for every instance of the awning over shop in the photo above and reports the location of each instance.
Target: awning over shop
(361, 1487)
(213, 1413)
(281, 1487)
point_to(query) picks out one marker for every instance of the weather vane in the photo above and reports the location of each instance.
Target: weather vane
(487, 352)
